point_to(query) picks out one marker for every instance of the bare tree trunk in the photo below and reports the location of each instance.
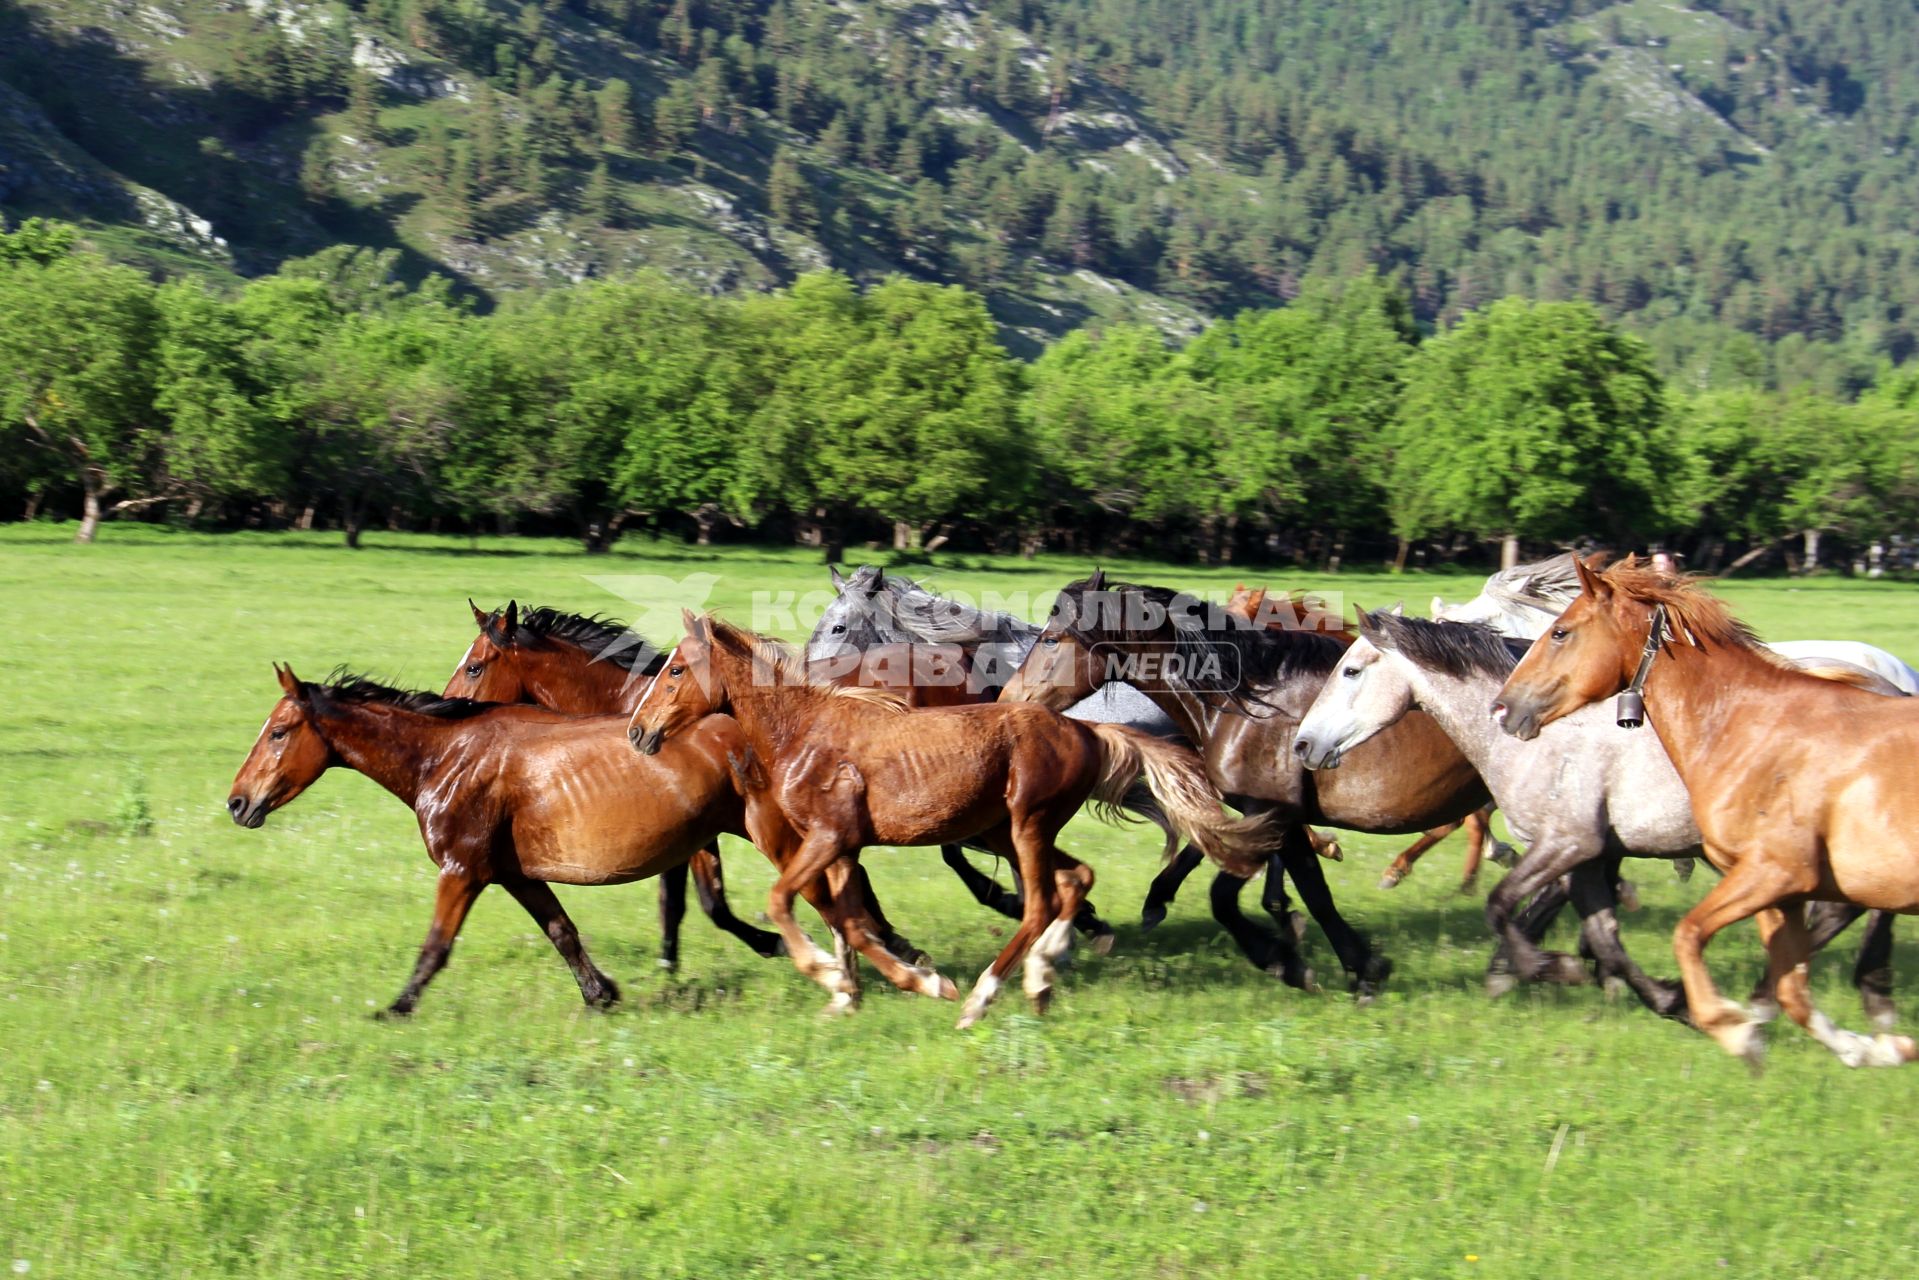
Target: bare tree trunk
(904, 536)
(33, 506)
(1338, 553)
(1509, 551)
(350, 522)
(1399, 556)
(91, 490)
(1811, 537)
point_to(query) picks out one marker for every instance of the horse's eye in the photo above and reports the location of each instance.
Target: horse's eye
(1351, 673)
(1560, 633)
(1051, 642)
(676, 671)
(839, 628)
(473, 671)
(277, 734)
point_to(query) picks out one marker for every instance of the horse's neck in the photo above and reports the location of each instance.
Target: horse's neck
(1696, 698)
(771, 714)
(394, 748)
(1459, 706)
(1196, 717)
(581, 686)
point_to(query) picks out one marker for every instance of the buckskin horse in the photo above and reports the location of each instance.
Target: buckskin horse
(846, 767)
(1237, 690)
(517, 796)
(1804, 789)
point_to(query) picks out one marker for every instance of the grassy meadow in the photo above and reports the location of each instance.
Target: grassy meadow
(190, 1083)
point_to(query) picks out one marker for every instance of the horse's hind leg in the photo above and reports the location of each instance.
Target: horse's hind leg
(1479, 829)
(1825, 921)
(1035, 865)
(986, 891)
(710, 883)
(453, 898)
(1519, 957)
(1276, 953)
(543, 905)
(848, 911)
(1787, 949)
(1165, 886)
(1402, 866)
(1366, 969)
(803, 868)
(1872, 973)
(672, 912)
(1072, 880)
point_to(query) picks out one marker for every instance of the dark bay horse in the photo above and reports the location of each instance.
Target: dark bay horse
(583, 666)
(1805, 789)
(516, 796)
(846, 767)
(1238, 689)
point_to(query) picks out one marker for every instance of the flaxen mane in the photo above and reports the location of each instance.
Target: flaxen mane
(789, 667)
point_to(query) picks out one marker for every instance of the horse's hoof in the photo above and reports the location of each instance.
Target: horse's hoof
(1893, 1051)
(1503, 854)
(1371, 979)
(1764, 1009)
(948, 989)
(1682, 868)
(1391, 879)
(1151, 916)
(1470, 884)
(1041, 1000)
(970, 1015)
(1500, 984)
(842, 1004)
(670, 966)
(607, 997)
(393, 1013)
(1744, 1041)
(1615, 988)
(1565, 970)
(1103, 942)
(1332, 852)
(1628, 896)
(1297, 919)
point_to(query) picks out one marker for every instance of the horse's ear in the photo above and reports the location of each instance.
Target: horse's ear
(479, 614)
(289, 683)
(1368, 625)
(1098, 581)
(1399, 609)
(1439, 606)
(510, 617)
(839, 579)
(1591, 583)
(697, 628)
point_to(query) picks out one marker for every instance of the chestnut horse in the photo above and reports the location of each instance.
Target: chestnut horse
(1237, 690)
(847, 767)
(516, 796)
(587, 666)
(1804, 789)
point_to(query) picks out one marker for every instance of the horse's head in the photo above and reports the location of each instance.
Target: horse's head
(490, 670)
(1062, 668)
(1246, 601)
(1364, 695)
(286, 758)
(1587, 653)
(688, 688)
(856, 620)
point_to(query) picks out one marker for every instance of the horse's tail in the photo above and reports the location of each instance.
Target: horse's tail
(1178, 782)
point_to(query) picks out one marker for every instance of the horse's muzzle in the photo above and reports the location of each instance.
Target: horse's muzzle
(1520, 719)
(251, 814)
(1314, 756)
(645, 741)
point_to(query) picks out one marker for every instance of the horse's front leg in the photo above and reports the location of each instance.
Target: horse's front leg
(1595, 897)
(598, 990)
(802, 867)
(1276, 953)
(1519, 958)
(1165, 886)
(1366, 969)
(710, 883)
(672, 912)
(847, 907)
(452, 899)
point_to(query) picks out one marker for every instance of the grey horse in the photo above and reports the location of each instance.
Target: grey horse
(1582, 795)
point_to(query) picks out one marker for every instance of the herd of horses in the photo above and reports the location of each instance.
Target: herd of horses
(563, 751)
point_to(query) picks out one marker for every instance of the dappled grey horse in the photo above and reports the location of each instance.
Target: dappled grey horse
(1581, 795)
(871, 608)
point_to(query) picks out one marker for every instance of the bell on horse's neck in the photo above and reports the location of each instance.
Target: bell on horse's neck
(1630, 710)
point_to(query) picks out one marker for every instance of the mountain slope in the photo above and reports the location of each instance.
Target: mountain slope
(1742, 174)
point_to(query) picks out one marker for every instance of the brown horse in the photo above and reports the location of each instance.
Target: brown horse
(591, 666)
(846, 767)
(516, 796)
(1238, 690)
(1804, 789)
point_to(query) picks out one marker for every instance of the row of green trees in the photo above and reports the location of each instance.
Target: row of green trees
(327, 392)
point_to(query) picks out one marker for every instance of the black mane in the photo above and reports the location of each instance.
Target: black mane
(1459, 649)
(343, 687)
(606, 639)
(1262, 658)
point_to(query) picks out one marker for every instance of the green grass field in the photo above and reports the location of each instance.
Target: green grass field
(190, 1083)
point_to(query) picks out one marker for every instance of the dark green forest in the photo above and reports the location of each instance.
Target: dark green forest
(1279, 279)
(1733, 182)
